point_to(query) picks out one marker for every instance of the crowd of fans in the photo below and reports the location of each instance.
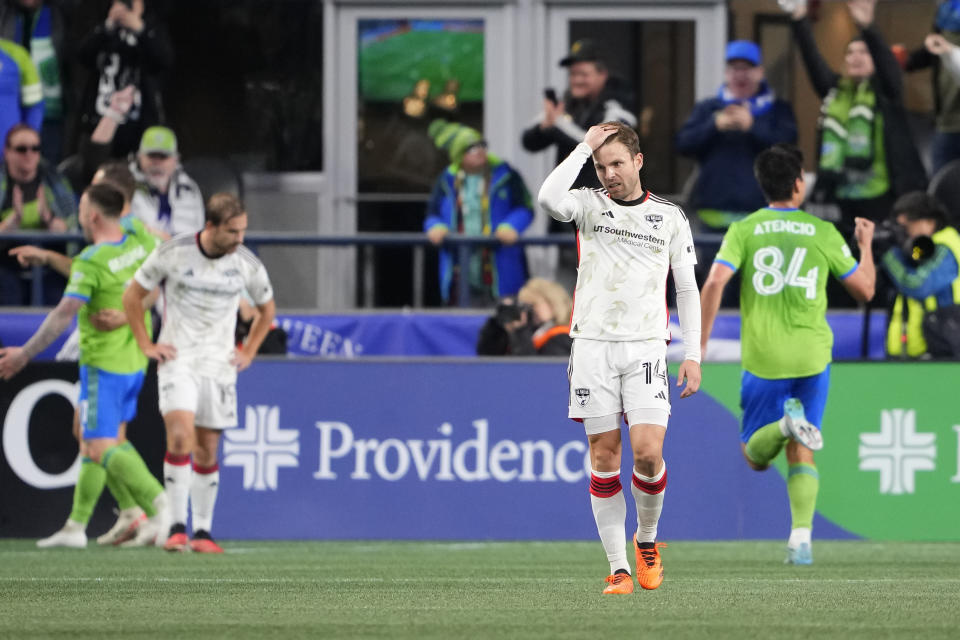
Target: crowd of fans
(868, 164)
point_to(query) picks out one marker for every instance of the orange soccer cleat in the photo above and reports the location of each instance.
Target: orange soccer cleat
(619, 583)
(178, 540)
(203, 543)
(649, 566)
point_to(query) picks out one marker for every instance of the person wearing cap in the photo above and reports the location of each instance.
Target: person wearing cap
(726, 132)
(867, 157)
(593, 96)
(167, 200)
(478, 194)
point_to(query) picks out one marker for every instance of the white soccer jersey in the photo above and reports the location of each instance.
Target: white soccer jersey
(202, 295)
(626, 250)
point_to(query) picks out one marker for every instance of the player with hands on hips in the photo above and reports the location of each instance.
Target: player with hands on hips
(629, 240)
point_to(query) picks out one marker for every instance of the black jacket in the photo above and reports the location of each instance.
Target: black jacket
(584, 114)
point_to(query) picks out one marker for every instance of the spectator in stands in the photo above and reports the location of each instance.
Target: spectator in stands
(21, 96)
(33, 196)
(38, 26)
(593, 95)
(940, 52)
(924, 268)
(167, 200)
(537, 322)
(867, 156)
(949, 55)
(725, 134)
(478, 194)
(129, 49)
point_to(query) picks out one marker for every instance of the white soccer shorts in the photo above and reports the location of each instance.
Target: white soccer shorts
(212, 402)
(608, 379)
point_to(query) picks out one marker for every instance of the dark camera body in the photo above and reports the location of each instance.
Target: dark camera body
(511, 312)
(551, 95)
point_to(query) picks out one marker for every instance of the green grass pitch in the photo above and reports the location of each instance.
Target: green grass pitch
(477, 590)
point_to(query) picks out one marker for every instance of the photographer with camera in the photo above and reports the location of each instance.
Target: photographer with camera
(536, 323)
(924, 266)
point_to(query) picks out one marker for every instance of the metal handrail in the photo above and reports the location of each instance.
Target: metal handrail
(256, 239)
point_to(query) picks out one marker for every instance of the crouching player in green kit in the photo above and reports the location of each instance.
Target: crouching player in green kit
(111, 365)
(785, 255)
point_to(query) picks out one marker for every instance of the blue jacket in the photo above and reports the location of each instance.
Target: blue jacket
(510, 205)
(726, 180)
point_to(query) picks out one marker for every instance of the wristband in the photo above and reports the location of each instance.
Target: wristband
(114, 115)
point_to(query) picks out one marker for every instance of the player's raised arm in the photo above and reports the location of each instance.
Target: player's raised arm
(554, 194)
(861, 284)
(13, 359)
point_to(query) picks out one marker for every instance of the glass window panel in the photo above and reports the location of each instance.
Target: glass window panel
(411, 72)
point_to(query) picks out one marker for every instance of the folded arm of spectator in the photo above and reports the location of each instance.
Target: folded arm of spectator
(699, 130)
(926, 279)
(779, 125)
(521, 209)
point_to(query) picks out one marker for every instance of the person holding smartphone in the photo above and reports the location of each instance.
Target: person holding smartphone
(593, 95)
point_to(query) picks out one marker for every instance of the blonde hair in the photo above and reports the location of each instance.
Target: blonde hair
(555, 295)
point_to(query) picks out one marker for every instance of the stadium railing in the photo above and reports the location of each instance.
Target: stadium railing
(366, 241)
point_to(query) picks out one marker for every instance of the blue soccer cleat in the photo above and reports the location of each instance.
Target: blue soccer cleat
(797, 426)
(801, 554)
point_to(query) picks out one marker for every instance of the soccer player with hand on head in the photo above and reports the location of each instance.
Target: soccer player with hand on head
(629, 240)
(205, 275)
(786, 255)
(111, 368)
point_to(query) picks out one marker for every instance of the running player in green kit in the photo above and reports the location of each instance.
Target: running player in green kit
(111, 364)
(785, 255)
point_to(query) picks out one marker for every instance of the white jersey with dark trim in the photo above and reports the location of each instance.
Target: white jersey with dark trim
(202, 296)
(626, 250)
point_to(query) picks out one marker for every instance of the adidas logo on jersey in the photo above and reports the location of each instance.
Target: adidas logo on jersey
(608, 214)
(188, 273)
(662, 395)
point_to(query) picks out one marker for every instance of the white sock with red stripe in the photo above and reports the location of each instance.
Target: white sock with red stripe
(610, 512)
(176, 482)
(648, 493)
(203, 495)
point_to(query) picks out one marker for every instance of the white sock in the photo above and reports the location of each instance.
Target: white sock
(176, 476)
(648, 494)
(610, 513)
(798, 536)
(203, 495)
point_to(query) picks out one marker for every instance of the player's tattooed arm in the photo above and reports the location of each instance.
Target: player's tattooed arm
(13, 359)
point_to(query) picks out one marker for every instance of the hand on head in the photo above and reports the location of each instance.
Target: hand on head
(598, 134)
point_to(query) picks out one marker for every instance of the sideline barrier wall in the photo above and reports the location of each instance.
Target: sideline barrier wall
(422, 333)
(482, 449)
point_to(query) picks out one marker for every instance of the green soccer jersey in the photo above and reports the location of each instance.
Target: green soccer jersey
(99, 276)
(784, 256)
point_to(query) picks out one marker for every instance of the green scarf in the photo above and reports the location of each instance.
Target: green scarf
(851, 143)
